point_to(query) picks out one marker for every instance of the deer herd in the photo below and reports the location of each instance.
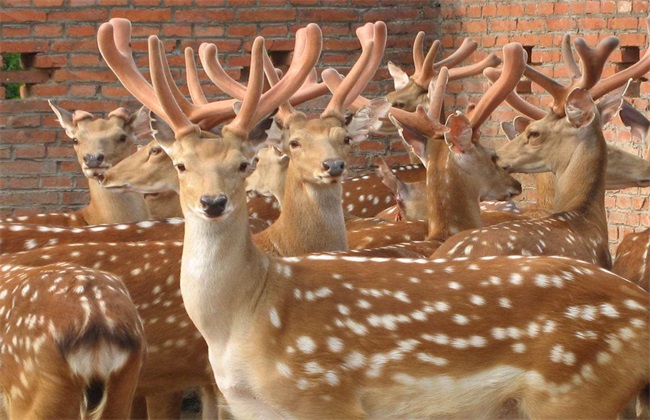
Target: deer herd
(232, 254)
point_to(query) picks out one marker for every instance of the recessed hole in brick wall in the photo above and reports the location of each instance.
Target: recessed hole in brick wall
(629, 56)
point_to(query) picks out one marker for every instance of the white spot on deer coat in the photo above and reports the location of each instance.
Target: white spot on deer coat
(306, 344)
(275, 318)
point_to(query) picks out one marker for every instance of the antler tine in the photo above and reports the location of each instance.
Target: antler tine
(466, 49)
(514, 100)
(593, 60)
(418, 47)
(418, 120)
(198, 97)
(492, 60)
(514, 63)
(337, 104)
(209, 55)
(113, 40)
(555, 89)
(332, 79)
(635, 71)
(285, 110)
(424, 67)
(214, 110)
(379, 37)
(310, 89)
(437, 90)
(242, 124)
(567, 56)
(301, 66)
(176, 118)
(193, 84)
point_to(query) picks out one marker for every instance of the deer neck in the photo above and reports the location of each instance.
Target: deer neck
(545, 182)
(113, 207)
(452, 202)
(312, 218)
(580, 179)
(222, 272)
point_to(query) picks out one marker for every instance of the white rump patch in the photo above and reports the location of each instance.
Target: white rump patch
(101, 361)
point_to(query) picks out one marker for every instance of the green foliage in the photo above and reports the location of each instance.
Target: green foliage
(11, 62)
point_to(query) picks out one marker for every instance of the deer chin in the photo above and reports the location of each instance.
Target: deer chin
(328, 179)
(205, 215)
(95, 173)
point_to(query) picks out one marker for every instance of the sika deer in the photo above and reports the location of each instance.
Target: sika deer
(569, 142)
(461, 171)
(99, 144)
(312, 217)
(71, 343)
(382, 349)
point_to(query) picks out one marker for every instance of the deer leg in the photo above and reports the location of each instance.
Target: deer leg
(55, 396)
(139, 408)
(120, 389)
(165, 405)
(210, 408)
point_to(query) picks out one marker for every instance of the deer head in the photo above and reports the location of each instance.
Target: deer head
(269, 176)
(101, 143)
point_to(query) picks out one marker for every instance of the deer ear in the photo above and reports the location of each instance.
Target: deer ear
(400, 78)
(520, 124)
(162, 132)
(387, 176)
(460, 133)
(611, 104)
(509, 130)
(580, 108)
(638, 123)
(367, 119)
(65, 119)
(274, 133)
(415, 141)
(140, 123)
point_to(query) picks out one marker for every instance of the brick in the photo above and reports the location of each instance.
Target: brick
(56, 182)
(92, 14)
(16, 32)
(204, 16)
(23, 183)
(270, 15)
(26, 167)
(85, 60)
(8, 16)
(176, 30)
(328, 15)
(148, 15)
(83, 90)
(81, 31)
(74, 46)
(90, 75)
(48, 30)
(47, 3)
(22, 46)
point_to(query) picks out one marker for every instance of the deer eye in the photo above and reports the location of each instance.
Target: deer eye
(399, 105)
(347, 140)
(244, 166)
(532, 134)
(155, 150)
(75, 141)
(181, 167)
(122, 138)
(294, 144)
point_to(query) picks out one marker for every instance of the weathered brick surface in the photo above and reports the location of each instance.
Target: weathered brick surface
(37, 168)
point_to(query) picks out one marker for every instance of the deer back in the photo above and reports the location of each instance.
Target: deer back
(67, 328)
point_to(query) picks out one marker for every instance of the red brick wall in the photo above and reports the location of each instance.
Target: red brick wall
(38, 171)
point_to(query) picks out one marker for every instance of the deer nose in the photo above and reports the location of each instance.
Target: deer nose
(93, 161)
(213, 206)
(334, 167)
(517, 188)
